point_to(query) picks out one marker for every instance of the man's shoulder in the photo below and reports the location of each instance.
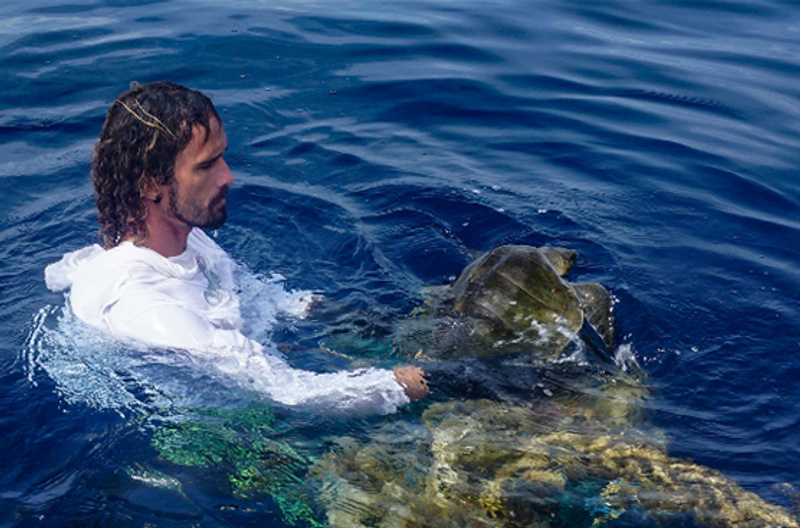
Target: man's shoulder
(96, 277)
(91, 262)
(58, 275)
(102, 273)
(123, 259)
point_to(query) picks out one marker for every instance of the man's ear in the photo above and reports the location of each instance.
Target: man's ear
(153, 196)
(153, 193)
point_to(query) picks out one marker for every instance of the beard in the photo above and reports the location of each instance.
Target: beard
(194, 214)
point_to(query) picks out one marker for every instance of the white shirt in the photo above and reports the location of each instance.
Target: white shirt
(190, 302)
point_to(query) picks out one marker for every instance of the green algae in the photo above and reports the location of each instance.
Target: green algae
(242, 444)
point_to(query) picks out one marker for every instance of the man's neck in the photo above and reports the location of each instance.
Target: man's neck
(165, 235)
(167, 243)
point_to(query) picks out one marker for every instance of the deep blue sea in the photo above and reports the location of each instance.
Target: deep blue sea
(376, 146)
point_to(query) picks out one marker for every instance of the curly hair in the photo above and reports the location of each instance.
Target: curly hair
(145, 130)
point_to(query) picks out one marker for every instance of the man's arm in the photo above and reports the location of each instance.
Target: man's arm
(254, 366)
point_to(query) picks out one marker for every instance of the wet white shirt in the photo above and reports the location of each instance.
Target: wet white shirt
(190, 302)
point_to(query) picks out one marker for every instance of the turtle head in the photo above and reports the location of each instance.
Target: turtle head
(560, 259)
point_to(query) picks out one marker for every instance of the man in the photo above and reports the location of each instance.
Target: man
(159, 176)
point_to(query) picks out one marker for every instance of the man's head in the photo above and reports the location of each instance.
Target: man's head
(196, 194)
(151, 132)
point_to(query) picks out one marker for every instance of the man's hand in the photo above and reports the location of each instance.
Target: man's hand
(413, 381)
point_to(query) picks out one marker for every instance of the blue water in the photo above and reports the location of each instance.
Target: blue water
(375, 145)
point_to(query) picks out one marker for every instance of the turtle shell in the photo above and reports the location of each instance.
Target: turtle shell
(517, 290)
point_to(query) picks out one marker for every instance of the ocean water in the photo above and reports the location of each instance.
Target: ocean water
(377, 146)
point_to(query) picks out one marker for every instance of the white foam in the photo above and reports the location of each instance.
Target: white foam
(625, 357)
(263, 299)
(86, 366)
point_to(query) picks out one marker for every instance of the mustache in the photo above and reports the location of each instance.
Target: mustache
(223, 193)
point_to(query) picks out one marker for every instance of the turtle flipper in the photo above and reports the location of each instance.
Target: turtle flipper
(598, 308)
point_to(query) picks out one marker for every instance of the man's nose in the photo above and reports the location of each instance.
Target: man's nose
(226, 176)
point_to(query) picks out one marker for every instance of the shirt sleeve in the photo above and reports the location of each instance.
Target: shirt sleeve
(254, 366)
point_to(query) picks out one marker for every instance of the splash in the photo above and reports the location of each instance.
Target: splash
(87, 366)
(263, 299)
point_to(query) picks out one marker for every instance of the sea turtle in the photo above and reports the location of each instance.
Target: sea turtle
(508, 298)
(572, 451)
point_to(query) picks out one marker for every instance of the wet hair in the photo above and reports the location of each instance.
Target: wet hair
(145, 130)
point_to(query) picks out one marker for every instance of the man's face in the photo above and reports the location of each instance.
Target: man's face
(202, 178)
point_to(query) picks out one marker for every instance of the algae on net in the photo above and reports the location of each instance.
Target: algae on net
(490, 464)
